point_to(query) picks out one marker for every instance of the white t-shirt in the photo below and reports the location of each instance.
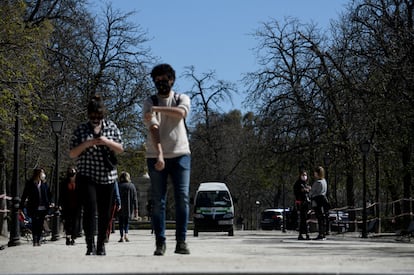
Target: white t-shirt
(173, 133)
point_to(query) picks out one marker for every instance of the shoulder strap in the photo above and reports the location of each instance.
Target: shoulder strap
(154, 99)
(177, 98)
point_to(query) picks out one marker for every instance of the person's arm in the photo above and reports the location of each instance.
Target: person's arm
(155, 135)
(76, 151)
(176, 112)
(135, 201)
(113, 145)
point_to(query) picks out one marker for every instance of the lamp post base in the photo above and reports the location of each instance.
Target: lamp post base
(55, 226)
(14, 242)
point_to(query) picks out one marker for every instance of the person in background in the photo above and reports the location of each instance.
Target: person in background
(37, 193)
(319, 200)
(301, 190)
(115, 208)
(71, 211)
(129, 204)
(168, 154)
(94, 144)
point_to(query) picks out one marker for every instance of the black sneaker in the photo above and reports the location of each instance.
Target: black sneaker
(100, 250)
(181, 248)
(321, 238)
(160, 249)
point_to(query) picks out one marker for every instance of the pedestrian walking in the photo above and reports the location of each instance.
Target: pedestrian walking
(168, 154)
(94, 144)
(71, 210)
(129, 204)
(36, 199)
(116, 206)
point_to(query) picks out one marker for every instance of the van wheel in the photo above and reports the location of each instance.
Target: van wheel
(231, 233)
(195, 232)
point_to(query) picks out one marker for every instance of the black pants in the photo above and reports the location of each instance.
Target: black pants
(96, 200)
(72, 220)
(38, 218)
(303, 208)
(320, 215)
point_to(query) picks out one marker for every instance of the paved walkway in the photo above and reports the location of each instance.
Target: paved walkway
(248, 252)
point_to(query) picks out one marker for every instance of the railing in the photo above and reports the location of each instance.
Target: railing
(381, 217)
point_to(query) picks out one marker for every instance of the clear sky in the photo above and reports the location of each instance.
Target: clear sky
(216, 34)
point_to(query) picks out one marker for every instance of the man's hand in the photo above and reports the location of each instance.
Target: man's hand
(160, 164)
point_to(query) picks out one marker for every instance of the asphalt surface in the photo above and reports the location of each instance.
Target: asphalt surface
(248, 252)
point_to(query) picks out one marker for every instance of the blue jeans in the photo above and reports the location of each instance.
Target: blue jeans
(179, 169)
(123, 225)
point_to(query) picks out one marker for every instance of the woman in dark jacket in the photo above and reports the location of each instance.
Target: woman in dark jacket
(301, 190)
(129, 204)
(37, 194)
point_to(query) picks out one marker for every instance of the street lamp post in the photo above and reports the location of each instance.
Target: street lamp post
(284, 204)
(14, 239)
(57, 126)
(327, 161)
(377, 187)
(364, 147)
(257, 214)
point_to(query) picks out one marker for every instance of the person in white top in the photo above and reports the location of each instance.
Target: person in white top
(168, 154)
(319, 199)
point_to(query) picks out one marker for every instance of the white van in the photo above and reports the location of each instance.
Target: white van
(213, 209)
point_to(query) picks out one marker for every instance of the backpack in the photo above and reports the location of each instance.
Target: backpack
(177, 98)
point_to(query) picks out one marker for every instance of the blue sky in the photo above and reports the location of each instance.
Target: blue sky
(216, 34)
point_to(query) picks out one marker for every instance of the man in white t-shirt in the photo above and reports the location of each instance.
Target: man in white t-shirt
(168, 154)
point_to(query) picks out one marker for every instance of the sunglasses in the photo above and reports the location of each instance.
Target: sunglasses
(95, 117)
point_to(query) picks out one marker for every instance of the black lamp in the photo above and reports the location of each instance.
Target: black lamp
(364, 147)
(57, 127)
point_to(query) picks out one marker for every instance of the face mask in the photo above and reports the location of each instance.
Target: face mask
(163, 87)
(304, 178)
(42, 176)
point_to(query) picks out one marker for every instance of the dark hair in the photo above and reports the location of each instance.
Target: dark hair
(96, 105)
(36, 172)
(163, 69)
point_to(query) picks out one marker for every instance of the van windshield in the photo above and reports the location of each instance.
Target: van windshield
(213, 198)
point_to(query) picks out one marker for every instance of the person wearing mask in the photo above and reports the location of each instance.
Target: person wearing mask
(71, 211)
(319, 200)
(36, 198)
(168, 154)
(301, 192)
(129, 204)
(94, 144)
